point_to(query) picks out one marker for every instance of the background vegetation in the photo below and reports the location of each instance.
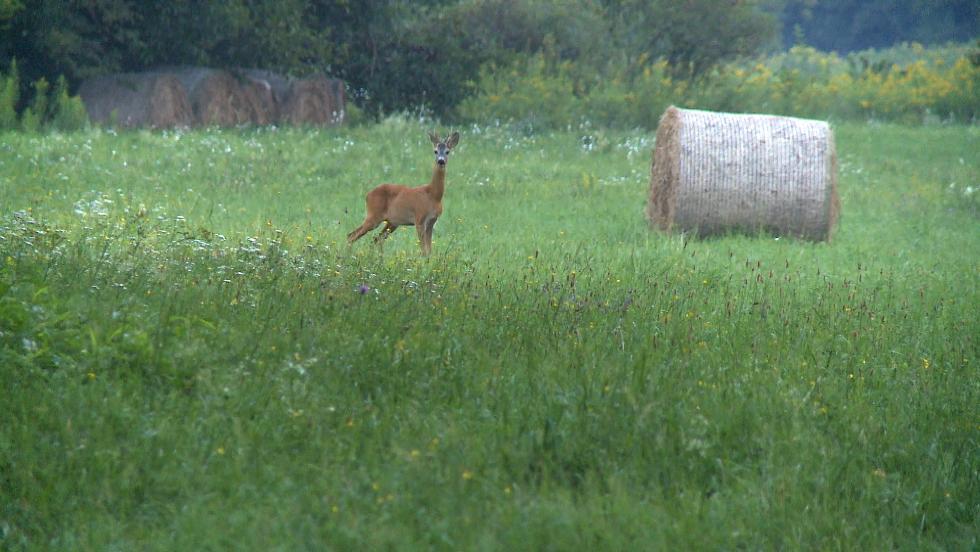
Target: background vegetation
(400, 55)
(909, 84)
(849, 25)
(192, 358)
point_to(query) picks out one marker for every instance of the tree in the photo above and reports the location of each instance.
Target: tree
(395, 54)
(847, 25)
(431, 54)
(694, 34)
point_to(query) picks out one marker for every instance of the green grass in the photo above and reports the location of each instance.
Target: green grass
(187, 361)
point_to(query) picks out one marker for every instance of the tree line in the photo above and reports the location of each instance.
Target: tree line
(401, 54)
(848, 25)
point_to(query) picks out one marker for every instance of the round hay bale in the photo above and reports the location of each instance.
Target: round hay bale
(169, 105)
(260, 92)
(218, 98)
(132, 100)
(714, 173)
(278, 84)
(317, 101)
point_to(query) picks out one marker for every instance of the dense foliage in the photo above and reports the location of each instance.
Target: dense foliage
(848, 25)
(909, 84)
(401, 54)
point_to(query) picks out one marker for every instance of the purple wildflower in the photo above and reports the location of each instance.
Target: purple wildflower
(363, 288)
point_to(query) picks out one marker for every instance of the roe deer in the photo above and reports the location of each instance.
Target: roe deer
(397, 205)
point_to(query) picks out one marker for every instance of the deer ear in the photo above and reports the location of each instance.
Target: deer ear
(434, 138)
(452, 141)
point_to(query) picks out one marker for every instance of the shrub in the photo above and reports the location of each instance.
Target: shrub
(35, 116)
(9, 94)
(49, 108)
(67, 112)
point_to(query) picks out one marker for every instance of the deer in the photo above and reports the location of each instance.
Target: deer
(396, 205)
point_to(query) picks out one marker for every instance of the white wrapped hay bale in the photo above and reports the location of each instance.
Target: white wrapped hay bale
(719, 172)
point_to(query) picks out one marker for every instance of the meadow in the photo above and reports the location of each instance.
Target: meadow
(192, 357)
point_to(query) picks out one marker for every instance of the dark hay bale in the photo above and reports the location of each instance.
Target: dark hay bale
(132, 100)
(219, 98)
(195, 96)
(714, 173)
(259, 93)
(276, 83)
(316, 101)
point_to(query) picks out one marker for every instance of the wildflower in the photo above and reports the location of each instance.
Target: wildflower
(363, 289)
(467, 475)
(925, 363)
(220, 451)
(878, 472)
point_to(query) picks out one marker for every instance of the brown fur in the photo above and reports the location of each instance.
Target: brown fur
(398, 205)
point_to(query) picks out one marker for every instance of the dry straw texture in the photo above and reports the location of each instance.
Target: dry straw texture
(221, 99)
(315, 101)
(131, 100)
(719, 172)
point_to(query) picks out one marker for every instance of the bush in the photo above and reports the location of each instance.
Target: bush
(34, 117)
(57, 110)
(67, 112)
(9, 95)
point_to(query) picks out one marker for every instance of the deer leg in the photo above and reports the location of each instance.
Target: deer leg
(388, 229)
(420, 231)
(368, 225)
(427, 237)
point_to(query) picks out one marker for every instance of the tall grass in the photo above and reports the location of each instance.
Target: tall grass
(193, 358)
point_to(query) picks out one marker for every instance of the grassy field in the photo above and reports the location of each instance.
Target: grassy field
(192, 358)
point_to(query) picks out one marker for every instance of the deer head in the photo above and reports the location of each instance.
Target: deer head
(442, 149)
